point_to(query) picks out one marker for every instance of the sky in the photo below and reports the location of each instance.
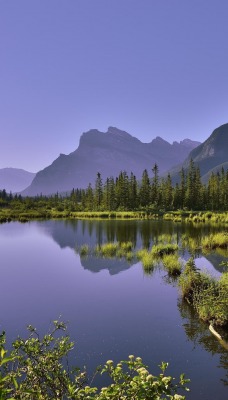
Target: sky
(149, 67)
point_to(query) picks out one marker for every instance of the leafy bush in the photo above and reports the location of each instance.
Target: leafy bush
(35, 370)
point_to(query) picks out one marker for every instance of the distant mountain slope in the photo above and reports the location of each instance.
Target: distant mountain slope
(107, 153)
(210, 156)
(14, 179)
(214, 170)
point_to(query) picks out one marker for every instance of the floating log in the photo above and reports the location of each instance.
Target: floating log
(219, 337)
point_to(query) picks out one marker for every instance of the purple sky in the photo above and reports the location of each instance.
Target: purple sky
(150, 67)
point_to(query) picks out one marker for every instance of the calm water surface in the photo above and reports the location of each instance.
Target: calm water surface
(114, 309)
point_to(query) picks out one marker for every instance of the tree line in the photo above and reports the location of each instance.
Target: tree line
(126, 193)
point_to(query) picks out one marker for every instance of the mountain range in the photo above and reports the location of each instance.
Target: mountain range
(107, 153)
(210, 156)
(115, 150)
(15, 179)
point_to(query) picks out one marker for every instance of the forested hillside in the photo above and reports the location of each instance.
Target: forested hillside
(125, 193)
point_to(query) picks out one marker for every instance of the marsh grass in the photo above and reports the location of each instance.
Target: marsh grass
(162, 249)
(111, 215)
(84, 250)
(172, 264)
(175, 217)
(147, 259)
(108, 249)
(114, 249)
(189, 280)
(166, 238)
(192, 243)
(217, 240)
(207, 295)
(207, 217)
(211, 301)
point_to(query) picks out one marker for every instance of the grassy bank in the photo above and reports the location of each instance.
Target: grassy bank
(32, 213)
(197, 217)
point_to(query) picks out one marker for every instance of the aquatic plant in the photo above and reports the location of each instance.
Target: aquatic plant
(172, 264)
(211, 300)
(112, 249)
(108, 249)
(84, 250)
(189, 280)
(161, 249)
(147, 259)
(205, 293)
(216, 240)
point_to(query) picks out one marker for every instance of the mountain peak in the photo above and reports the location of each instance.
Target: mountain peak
(210, 155)
(118, 132)
(107, 152)
(159, 139)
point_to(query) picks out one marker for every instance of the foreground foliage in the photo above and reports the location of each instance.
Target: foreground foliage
(35, 369)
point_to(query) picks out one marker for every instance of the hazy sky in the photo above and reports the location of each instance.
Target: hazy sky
(150, 67)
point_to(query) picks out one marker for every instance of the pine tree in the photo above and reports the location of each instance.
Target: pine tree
(144, 191)
(155, 186)
(133, 195)
(98, 191)
(89, 198)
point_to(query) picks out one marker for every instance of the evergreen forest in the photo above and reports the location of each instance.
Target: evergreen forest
(125, 193)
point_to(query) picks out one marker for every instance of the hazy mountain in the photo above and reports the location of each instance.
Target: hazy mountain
(14, 179)
(108, 153)
(210, 156)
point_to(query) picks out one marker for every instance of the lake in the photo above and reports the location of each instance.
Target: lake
(113, 308)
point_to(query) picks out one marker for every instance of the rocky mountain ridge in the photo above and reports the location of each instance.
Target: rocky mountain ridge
(108, 153)
(210, 156)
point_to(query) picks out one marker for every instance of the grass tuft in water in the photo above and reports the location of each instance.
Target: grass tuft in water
(172, 264)
(147, 259)
(84, 250)
(161, 249)
(217, 240)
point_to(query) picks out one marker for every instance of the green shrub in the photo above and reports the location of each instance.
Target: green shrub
(35, 370)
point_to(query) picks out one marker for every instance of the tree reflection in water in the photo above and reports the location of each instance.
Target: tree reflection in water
(198, 332)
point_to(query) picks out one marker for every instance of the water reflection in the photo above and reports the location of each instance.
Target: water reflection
(111, 314)
(97, 264)
(198, 333)
(142, 234)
